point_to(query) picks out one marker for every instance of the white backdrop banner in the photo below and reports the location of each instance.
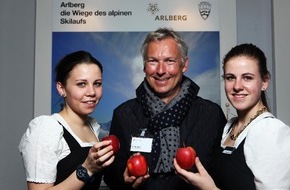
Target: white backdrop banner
(135, 15)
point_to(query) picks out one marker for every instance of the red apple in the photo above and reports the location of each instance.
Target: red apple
(114, 142)
(185, 157)
(137, 165)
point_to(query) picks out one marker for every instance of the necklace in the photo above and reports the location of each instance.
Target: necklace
(259, 112)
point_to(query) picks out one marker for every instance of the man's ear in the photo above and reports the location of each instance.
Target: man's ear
(185, 65)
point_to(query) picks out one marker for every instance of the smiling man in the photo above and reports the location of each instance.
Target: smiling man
(166, 114)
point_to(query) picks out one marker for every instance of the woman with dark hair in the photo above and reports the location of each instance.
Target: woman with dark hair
(255, 146)
(62, 150)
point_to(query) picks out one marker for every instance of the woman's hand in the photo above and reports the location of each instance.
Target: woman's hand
(202, 180)
(99, 157)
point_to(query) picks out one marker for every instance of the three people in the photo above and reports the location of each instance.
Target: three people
(166, 114)
(250, 151)
(255, 148)
(62, 150)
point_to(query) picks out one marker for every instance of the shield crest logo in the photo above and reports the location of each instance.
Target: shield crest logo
(204, 8)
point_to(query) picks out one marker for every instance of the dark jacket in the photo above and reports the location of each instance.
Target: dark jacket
(202, 129)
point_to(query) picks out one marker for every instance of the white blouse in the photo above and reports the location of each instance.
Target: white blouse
(267, 151)
(43, 146)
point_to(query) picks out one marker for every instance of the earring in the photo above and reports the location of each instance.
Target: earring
(63, 95)
(263, 89)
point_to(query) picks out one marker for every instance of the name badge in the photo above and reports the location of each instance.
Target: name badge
(141, 144)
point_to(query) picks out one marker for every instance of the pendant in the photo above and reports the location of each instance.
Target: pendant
(233, 137)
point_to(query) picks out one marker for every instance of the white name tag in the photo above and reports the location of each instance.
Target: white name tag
(141, 144)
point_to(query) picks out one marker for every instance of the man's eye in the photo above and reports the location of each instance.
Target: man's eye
(170, 62)
(152, 61)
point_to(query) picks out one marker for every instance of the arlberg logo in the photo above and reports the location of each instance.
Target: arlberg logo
(153, 8)
(204, 8)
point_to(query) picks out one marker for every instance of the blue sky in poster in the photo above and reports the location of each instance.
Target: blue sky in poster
(119, 52)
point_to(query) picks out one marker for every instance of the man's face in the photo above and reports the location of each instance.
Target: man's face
(164, 68)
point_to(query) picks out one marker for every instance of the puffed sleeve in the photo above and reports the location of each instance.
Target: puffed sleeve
(267, 153)
(40, 148)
